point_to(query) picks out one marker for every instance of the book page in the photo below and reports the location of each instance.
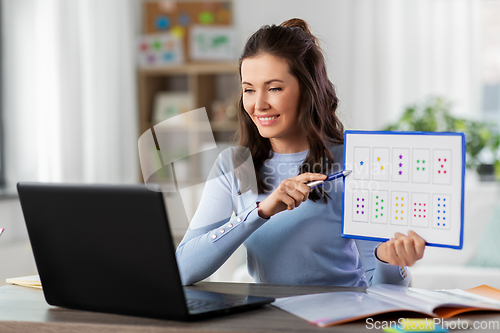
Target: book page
(334, 308)
(404, 181)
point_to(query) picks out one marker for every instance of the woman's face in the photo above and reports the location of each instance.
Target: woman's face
(271, 97)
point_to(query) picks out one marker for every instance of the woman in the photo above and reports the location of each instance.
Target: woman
(289, 128)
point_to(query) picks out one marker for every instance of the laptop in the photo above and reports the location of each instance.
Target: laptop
(108, 248)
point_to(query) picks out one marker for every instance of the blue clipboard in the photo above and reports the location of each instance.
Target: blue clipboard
(443, 179)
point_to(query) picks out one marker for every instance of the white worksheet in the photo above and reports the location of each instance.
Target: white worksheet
(403, 181)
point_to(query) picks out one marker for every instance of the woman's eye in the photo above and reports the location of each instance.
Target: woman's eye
(275, 89)
(248, 91)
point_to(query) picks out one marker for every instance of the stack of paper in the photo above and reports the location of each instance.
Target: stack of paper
(32, 281)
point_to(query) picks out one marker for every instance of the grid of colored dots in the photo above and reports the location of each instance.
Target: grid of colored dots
(362, 206)
(422, 209)
(420, 167)
(439, 210)
(397, 205)
(381, 207)
(442, 166)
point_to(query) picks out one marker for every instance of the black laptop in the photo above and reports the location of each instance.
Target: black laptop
(108, 248)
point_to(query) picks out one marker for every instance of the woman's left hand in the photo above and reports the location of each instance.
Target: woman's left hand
(402, 250)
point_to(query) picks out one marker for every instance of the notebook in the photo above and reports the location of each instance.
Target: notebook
(108, 248)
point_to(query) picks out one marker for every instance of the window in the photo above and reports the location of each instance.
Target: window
(491, 60)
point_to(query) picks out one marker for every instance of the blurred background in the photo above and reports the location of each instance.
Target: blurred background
(82, 80)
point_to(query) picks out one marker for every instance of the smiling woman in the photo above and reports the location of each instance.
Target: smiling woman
(273, 104)
(290, 133)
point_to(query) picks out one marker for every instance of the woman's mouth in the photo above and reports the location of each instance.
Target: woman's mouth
(268, 120)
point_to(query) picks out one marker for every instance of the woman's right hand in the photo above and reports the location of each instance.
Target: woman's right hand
(289, 194)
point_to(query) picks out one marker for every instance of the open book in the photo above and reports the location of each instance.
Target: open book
(32, 281)
(330, 309)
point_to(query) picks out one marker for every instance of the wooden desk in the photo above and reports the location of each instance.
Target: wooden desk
(24, 309)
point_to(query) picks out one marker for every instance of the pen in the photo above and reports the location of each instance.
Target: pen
(317, 183)
(1, 230)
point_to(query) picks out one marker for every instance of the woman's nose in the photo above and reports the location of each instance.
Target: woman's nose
(261, 103)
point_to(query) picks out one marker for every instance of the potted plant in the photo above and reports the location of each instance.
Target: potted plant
(482, 138)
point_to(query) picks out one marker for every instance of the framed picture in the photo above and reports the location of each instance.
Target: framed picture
(170, 104)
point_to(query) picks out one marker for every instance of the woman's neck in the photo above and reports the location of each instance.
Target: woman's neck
(287, 147)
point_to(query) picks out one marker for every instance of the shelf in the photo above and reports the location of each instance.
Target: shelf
(193, 68)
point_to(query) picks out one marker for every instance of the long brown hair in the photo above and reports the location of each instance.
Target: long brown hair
(318, 102)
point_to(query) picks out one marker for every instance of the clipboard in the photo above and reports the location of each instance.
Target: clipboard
(404, 181)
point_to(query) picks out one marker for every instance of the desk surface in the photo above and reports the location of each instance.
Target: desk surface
(24, 309)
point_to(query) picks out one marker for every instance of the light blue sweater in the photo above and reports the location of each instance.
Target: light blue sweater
(301, 246)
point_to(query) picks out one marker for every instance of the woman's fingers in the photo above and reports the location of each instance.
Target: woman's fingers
(402, 250)
(309, 176)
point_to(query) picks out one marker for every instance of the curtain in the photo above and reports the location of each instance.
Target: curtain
(405, 51)
(69, 85)
(383, 55)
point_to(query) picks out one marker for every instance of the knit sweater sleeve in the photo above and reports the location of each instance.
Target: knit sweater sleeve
(224, 219)
(378, 272)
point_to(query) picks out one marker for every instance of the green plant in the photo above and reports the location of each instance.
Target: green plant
(433, 115)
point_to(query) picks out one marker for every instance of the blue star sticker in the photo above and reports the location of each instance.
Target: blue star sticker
(361, 162)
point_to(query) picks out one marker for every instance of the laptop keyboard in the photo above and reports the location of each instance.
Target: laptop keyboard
(201, 305)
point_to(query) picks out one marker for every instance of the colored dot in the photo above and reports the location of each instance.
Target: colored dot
(400, 173)
(396, 205)
(441, 165)
(400, 156)
(156, 45)
(418, 168)
(424, 216)
(402, 198)
(414, 215)
(444, 224)
(444, 205)
(396, 217)
(361, 162)
(400, 165)
(376, 197)
(444, 218)
(396, 198)
(423, 161)
(439, 160)
(376, 203)
(420, 216)
(382, 200)
(420, 204)
(424, 210)
(381, 207)
(378, 158)
(358, 199)
(362, 206)
(381, 168)
(444, 199)
(439, 224)
(415, 204)
(439, 199)
(445, 159)
(357, 206)
(381, 215)
(363, 199)
(206, 17)
(444, 171)
(444, 212)
(415, 210)
(424, 205)
(423, 169)
(396, 211)
(376, 216)
(362, 212)
(357, 212)
(439, 211)
(376, 210)
(438, 217)
(401, 212)
(439, 171)
(418, 161)
(162, 23)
